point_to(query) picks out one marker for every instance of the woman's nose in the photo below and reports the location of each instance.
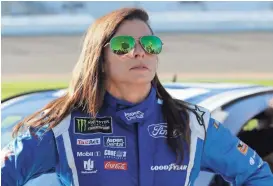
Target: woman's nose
(138, 51)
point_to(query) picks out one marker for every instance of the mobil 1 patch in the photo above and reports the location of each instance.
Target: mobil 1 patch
(114, 141)
(83, 125)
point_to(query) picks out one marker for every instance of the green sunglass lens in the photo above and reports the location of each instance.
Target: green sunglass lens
(122, 44)
(151, 44)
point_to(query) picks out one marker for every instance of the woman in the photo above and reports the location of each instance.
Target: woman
(117, 125)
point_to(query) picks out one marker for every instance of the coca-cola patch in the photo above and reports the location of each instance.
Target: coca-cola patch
(114, 165)
(158, 130)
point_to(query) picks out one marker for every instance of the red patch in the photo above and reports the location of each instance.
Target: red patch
(114, 165)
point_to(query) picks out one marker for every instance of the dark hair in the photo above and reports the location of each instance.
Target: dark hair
(87, 86)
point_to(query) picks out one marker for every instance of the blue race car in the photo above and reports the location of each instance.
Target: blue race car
(237, 106)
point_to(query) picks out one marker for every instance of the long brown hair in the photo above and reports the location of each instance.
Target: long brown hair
(87, 87)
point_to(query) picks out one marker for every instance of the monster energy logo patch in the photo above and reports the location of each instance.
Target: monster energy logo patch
(93, 125)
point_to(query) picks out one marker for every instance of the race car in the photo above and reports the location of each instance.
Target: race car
(246, 110)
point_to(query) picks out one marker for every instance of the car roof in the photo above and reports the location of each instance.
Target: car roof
(214, 95)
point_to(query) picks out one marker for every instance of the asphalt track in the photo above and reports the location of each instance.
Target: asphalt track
(208, 55)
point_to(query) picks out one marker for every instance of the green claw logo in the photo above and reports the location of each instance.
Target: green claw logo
(82, 125)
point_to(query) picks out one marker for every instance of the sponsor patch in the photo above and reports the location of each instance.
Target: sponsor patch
(89, 167)
(134, 115)
(114, 165)
(216, 124)
(116, 154)
(261, 162)
(251, 161)
(87, 153)
(171, 167)
(86, 142)
(114, 141)
(93, 125)
(158, 130)
(242, 147)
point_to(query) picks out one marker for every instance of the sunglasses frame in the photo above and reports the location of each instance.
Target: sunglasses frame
(136, 40)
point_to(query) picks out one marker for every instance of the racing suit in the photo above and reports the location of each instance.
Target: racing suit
(125, 144)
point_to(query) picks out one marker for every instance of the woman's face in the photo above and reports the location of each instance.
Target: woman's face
(128, 68)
